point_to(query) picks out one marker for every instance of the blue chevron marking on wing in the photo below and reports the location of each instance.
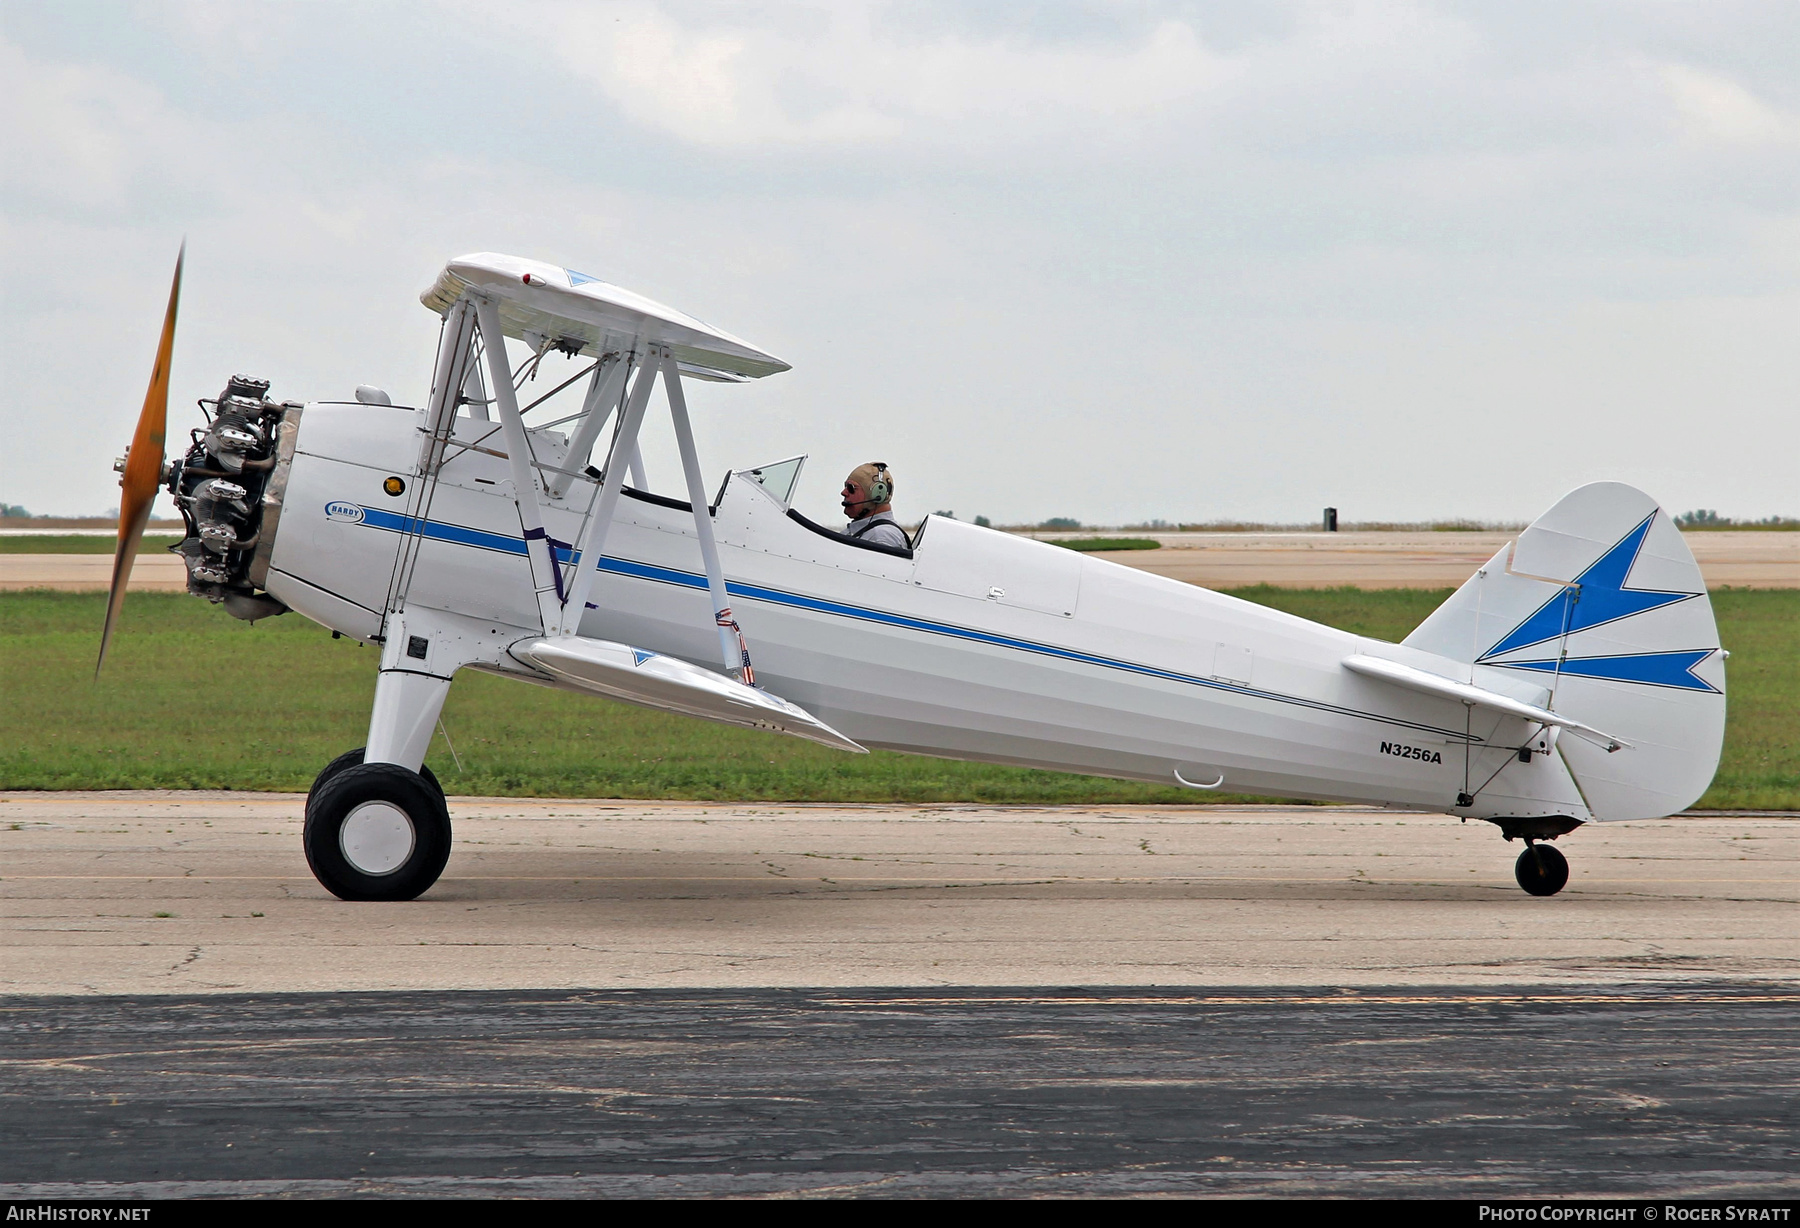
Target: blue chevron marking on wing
(578, 279)
(1597, 596)
(1670, 669)
(639, 656)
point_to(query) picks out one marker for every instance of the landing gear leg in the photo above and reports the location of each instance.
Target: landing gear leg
(377, 827)
(1541, 869)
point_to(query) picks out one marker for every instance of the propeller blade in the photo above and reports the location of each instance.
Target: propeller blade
(143, 466)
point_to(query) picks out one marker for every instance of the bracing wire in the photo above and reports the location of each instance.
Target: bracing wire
(557, 389)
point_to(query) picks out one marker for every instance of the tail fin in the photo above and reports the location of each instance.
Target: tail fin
(1601, 602)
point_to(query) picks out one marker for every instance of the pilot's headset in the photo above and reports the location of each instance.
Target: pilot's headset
(881, 483)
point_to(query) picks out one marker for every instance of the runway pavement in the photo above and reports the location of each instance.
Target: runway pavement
(1213, 560)
(154, 571)
(209, 893)
(624, 998)
(1505, 1094)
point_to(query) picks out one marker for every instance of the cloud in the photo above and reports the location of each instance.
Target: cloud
(229, 33)
(75, 136)
(1324, 257)
(846, 76)
(1718, 108)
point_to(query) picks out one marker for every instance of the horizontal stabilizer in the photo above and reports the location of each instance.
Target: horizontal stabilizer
(672, 685)
(1463, 692)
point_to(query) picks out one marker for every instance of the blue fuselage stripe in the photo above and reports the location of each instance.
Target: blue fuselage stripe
(396, 523)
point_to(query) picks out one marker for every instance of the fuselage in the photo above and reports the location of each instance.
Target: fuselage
(981, 646)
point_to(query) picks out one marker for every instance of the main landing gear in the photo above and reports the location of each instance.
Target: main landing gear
(1541, 869)
(376, 831)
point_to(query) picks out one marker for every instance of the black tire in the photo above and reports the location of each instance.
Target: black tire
(376, 831)
(354, 758)
(1541, 870)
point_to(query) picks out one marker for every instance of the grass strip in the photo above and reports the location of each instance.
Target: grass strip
(1106, 543)
(194, 699)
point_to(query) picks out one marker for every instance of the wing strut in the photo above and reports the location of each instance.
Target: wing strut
(546, 578)
(560, 608)
(603, 396)
(606, 501)
(731, 639)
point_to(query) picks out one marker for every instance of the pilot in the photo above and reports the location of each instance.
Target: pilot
(868, 495)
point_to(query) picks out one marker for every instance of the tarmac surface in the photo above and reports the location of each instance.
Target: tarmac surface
(623, 998)
(121, 893)
(1213, 560)
(1429, 1093)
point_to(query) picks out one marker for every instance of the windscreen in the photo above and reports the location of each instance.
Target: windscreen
(778, 478)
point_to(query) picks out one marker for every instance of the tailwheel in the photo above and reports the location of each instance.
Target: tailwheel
(376, 831)
(1541, 869)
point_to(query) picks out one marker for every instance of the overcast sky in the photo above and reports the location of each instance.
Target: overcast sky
(1188, 261)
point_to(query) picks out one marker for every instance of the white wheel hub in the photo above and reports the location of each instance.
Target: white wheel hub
(377, 838)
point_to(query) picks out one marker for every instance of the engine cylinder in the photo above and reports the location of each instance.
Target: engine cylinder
(220, 486)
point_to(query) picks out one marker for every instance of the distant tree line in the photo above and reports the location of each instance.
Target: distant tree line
(1709, 518)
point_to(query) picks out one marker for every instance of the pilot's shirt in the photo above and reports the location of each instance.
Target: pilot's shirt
(881, 528)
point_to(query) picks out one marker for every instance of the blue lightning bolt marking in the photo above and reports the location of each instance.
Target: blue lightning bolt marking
(1598, 596)
(1670, 669)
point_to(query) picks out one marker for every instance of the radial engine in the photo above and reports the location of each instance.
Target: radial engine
(229, 487)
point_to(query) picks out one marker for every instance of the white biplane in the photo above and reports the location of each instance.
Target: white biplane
(1577, 677)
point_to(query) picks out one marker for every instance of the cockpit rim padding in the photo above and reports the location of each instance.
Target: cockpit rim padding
(678, 505)
(682, 505)
(860, 543)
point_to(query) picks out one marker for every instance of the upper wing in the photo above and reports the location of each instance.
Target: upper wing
(590, 316)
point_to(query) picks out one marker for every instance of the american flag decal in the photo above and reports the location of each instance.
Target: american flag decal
(725, 620)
